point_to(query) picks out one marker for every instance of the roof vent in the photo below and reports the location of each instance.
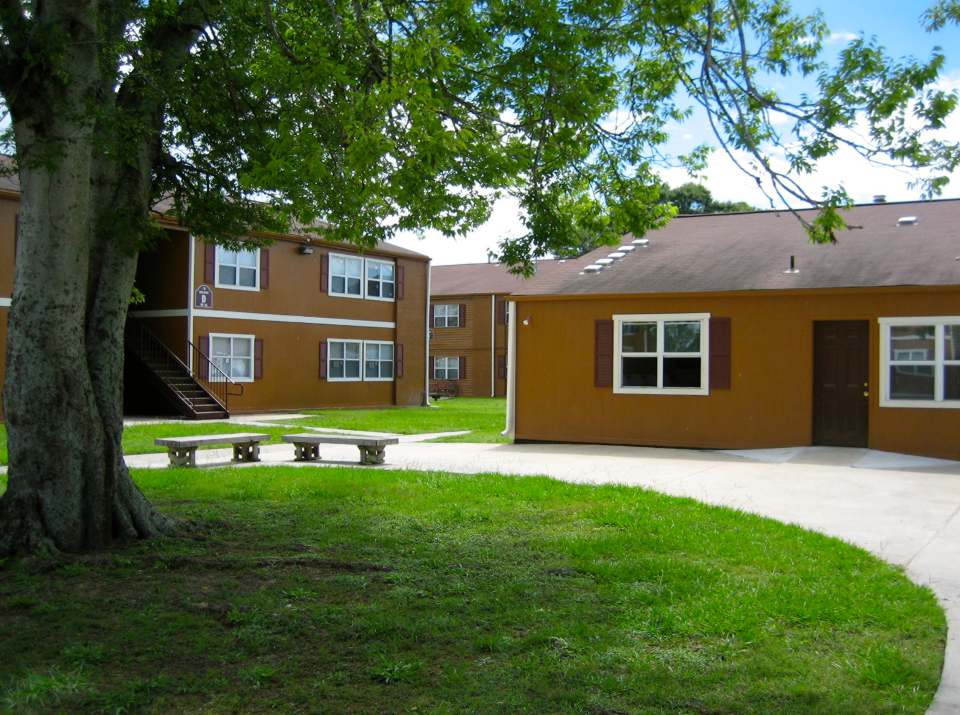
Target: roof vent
(642, 242)
(879, 198)
(907, 221)
(792, 268)
(604, 261)
(592, 268)
(616, 255)
(627, 249)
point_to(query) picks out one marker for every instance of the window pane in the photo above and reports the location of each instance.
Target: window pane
(339, 284)
(951, 382)
(372, 368)
(912, 342)
(681, 337)
(951, 342)
(352, 368)
(387, 290)
(386, 271)
(338, 265)
(386, 352)
(352, 351)
(353, 286)
(248, 277)
(247, 258)
(241, 367)
(336, 368)
(372, 351)
(226, 256)
(373, 289)
(639, 338)
(386, 369)
(354, 267)
(221, 346)
(453, 373)
(336, 350)
(639, 372)
(911, 382)
(223, 364)
(227, 275)
(681, 372)
(373, 270)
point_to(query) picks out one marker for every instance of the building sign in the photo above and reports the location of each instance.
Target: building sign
(203, 297)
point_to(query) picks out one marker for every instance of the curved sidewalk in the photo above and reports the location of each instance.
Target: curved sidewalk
(904, 510)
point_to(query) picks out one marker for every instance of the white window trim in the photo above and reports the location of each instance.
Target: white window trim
(382, 262)
(660, 318)
(363, 360)
(394, 361)
(446, 317)
(253, 353)
(363, 276)
(938, 321)
(446, 358)
(228, 286)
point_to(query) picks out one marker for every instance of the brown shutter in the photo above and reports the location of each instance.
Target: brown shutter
(501, 367)
(264, 268)
(210, 264)
(720, 349)
(258, 359)
(501, 312)
(398, 360)
(463, 315)
(324, 272)
(323, 359)
(603, 353)
(463, 367)
(401, 279)
(433, 370)
(203, 369)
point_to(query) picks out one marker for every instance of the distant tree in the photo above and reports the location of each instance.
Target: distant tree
(693, 198)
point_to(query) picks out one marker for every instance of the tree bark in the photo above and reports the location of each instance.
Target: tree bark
(68, 486)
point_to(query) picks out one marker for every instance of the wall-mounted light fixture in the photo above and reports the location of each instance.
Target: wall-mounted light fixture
(526, 321)
(305, 249)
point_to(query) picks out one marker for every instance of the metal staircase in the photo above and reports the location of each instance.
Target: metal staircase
(200, 394)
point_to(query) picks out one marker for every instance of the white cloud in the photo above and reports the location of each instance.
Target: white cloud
(838, 37)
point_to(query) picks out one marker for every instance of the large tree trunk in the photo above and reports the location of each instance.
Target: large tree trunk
(68, 487)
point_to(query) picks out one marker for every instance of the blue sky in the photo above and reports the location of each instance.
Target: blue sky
(898, 28)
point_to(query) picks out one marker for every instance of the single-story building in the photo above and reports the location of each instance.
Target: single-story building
(734, 331)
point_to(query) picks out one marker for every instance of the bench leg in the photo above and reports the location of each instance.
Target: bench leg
(372, 455)
(182, 456)
(306, 452)
(246, 452)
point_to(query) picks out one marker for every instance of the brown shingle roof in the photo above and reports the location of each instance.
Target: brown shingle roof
(751, 251)
(11, 182)
(486, 278)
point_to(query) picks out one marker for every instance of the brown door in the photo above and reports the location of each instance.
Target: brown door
(841, 359)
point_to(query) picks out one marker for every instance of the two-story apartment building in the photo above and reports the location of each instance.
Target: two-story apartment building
(468, 326)
(300, 322)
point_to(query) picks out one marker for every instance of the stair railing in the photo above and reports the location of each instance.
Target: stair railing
(207, 374)
(218, 383)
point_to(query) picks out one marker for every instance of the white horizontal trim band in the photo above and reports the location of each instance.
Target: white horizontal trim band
(265, 317)
(4, 302)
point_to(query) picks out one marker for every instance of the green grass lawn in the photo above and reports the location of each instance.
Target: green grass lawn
(483, 416)
(370, 591)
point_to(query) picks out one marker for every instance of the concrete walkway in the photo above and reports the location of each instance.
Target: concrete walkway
(903, 509)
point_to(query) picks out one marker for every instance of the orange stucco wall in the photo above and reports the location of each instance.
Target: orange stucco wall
(770, 401)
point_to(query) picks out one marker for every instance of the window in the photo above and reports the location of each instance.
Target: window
(378, 361)
(343, 359)
(233, 354)
(238, 269)
(446, 316)
(381, 280)
(920, 362)
(446, 368)
(345, 275)
(661, 354)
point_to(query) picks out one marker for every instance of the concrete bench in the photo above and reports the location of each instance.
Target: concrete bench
(183, 450)
(306, 447)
